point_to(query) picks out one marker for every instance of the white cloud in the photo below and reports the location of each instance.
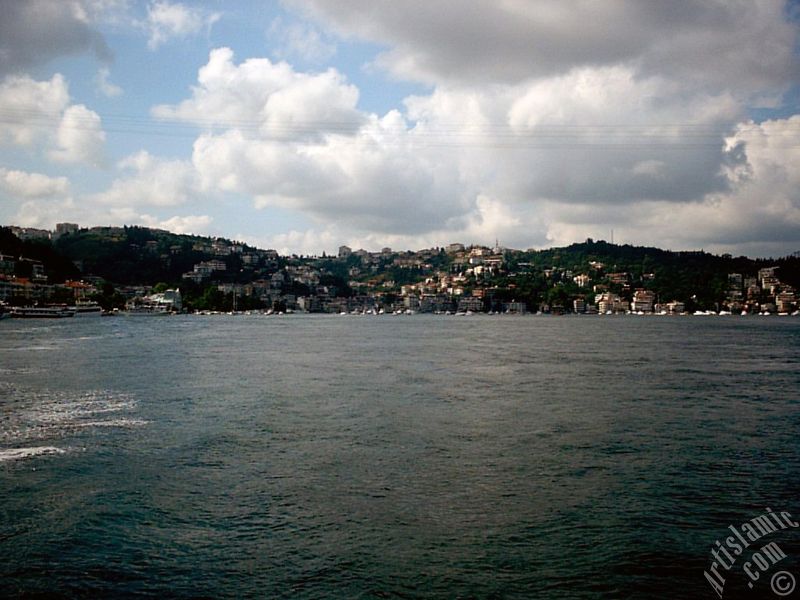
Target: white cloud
(80, 137)
(369, 181)
(174, 20)
(546, 122)
(38, 115)
(22, 184)
(529, 163)
(488, 220)
(299, 41)
(37, 213)
(104, 85)
(759, 213)
(153, 182)
(189, 224)
(260, 97)
(32, 109)
(310, 242)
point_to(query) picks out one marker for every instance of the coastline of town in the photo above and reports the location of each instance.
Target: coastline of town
(233, 278)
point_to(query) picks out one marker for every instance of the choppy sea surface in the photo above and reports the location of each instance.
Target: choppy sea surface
(393, 457)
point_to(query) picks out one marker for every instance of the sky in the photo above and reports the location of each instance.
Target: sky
(302, 125)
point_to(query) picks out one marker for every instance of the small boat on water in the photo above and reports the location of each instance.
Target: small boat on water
(146, 311)
(87, 309)
(160, 304)
(42, 312)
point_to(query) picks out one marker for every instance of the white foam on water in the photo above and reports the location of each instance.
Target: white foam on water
(10, 454)
(19, 371)
(38, 415)
(33, 348)
(87, 405)
(114, 423)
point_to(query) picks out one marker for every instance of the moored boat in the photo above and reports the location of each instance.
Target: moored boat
(145, 311)
(42, 312)
(87, 309)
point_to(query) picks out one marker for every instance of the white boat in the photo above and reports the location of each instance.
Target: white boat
(87, 309)
(41, 312)
(145, 311)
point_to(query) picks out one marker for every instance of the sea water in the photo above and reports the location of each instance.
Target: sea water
(313, 456)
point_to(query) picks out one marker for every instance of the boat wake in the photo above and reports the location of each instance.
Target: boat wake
(31, 416)
(10, 454)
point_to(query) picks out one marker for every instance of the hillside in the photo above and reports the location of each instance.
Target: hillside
(210, 271)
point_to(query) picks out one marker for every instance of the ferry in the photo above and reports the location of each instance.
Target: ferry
(42, 312)
(87, 309)
(146, 310)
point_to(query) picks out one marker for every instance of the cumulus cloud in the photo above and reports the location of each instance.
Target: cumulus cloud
(151, 181)
(80, 137)
(45, 214)
(174, 20)
(567, 120)
(37, 213)
(365, 181)
(488, 220)
(299, 41)
(764, 204)
(740, 45)
(35, 32)
(260, 97)
(297, 140)
(189, 224)
(309, 242)
(758, 214)
(22, 184)
(39, 114)
(105, 86)
(546, 122)
(599, 134)
(530, 163)
(31, 109)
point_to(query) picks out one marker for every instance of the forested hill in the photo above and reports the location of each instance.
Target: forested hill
(58, 266)
(674, 274)
(139, 255)
(125, 255)
(134, 255)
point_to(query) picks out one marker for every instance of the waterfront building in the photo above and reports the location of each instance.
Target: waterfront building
(643, 301)
(785, 302)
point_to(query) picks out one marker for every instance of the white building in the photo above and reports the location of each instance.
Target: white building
(643, 301)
